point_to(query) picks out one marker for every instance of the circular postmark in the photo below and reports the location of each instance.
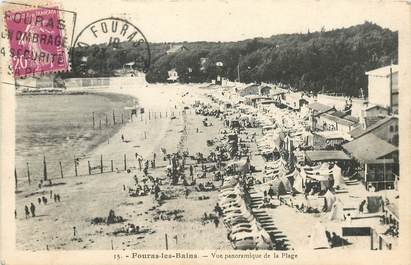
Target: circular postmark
(110, 46)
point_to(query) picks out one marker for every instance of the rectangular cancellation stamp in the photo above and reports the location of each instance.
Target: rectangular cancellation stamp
(37, 40)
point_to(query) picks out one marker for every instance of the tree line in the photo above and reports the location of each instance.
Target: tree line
(333, 61)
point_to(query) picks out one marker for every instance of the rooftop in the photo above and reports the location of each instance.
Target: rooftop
(371, 123)
(383, 71)
(338, 120)
(319, 108)
(326, 155)
(369, 147)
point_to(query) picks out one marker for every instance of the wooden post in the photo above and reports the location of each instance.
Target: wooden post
(93, 121)
(166, 241)
(89, 167)
(101, 164)
(112, 167)
(122, 120)
(28, 172)
(44, 168)
(125, 162)
(61, 170)
(15, 178)
(114, 118)
(75, 166)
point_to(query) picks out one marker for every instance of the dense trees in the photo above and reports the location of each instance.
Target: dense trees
(329, 61)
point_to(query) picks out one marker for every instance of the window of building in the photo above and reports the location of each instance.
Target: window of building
(391, 128)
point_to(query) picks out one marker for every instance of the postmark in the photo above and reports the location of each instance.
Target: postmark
(108, 44)
(38, 43)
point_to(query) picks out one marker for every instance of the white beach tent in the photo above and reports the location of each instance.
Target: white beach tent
(337, 212)
(318, 239)
(298, 184)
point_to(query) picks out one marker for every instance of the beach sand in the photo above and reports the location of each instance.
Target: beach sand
(87, 197)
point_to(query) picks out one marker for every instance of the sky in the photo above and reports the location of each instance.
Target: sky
(232, 20)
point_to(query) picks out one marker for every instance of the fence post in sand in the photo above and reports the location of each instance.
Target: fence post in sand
(15, 178)
(166, 241)
(101, 164)
(125, 162)
(61, 170)
(112, 167)
(94, 123)
(28, 172)
(44, 168)
(75, 166)
(114, 118)
(89, 167)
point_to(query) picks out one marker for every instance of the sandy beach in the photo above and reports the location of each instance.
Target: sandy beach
(54, 221)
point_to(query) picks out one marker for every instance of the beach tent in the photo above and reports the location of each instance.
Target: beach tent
(318, 239)
(337, 212)
(298, 184)
(329, 199)
(281, 186)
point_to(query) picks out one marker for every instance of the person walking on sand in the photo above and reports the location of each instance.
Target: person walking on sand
(58, 197)
(39, 200)
(216, 221)
(33, 210)
(55, 198)
(51, 194)
(26, 211)
(140, 162)
(44, 200)
(122, 138)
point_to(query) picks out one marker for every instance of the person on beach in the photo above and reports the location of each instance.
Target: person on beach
(122, 138)
(140, 161)
(58, 197)
(191, 171)
(26, 211)
(39, 200)
(51, 194)
(55, 198)
(33, 210)
(216, 221)
(44, 200)
(186, 191)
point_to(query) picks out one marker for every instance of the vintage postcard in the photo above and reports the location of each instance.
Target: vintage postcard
(216, 131)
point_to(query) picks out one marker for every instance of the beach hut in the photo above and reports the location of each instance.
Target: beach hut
(318, 239)
(337, 212)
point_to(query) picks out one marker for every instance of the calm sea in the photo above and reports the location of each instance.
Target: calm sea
(60, 128)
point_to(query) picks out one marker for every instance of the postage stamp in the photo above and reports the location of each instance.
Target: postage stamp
(37, 39)
(103, 37)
